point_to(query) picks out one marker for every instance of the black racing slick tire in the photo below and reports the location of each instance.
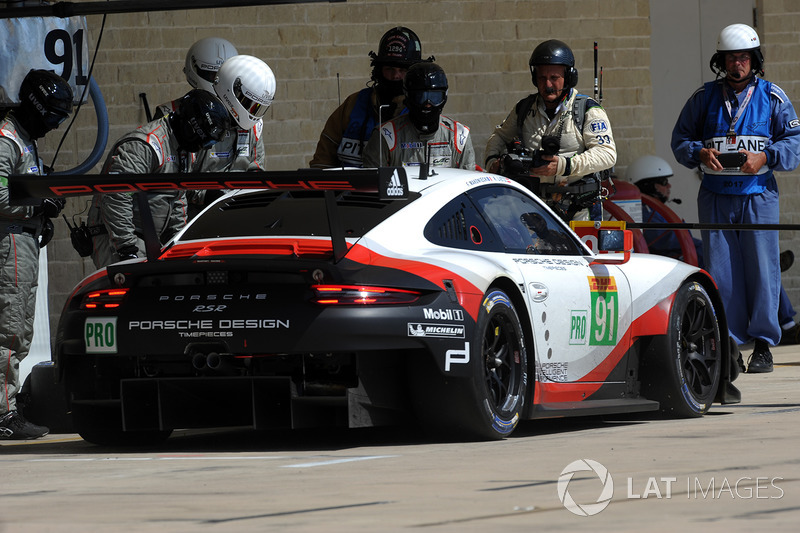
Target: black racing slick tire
(489, 404)
(682, 369)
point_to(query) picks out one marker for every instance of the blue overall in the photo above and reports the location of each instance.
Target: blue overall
(745, 263)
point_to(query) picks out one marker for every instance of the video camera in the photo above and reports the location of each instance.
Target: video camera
(520, 160)
(565, 200)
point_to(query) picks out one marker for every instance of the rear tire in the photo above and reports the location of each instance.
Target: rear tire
(681, 370)
(489, 404)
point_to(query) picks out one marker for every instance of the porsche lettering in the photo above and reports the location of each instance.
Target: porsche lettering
(210, 297)
(155, 325)
(190, 325)
(320, 185)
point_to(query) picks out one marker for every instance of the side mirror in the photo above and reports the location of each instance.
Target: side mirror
(614, 240)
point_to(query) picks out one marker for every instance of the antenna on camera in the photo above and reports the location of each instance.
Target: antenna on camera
(596, 90)
(380, 145)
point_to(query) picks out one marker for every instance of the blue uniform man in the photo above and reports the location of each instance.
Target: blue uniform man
(743, 116)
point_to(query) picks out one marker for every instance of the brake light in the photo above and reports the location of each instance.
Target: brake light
(361, 295)
(105, 299)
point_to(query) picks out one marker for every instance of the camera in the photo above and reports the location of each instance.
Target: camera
(550, 145)
(519, 160)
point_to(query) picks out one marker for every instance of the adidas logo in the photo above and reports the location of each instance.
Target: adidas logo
(395, 187)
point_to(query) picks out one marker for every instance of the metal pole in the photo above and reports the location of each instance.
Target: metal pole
(71, 9)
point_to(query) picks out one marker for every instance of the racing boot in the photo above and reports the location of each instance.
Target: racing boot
(791, 335)
(14, 427)
(786, 260)
(761, 359)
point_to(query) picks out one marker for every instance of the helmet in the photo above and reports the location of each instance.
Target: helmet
(200, 121)
(45, 102)
(204, 59)
(398, 47)
(425, 87)
(647, 172)
(738, 38)
(648, 167)
(246, 86)
(555, 52)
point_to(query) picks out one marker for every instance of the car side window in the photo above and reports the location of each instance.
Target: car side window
(459, 225)
(523, 225)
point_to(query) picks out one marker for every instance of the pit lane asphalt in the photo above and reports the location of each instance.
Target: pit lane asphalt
(736, 469)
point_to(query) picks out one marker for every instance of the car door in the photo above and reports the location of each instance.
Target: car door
(579, 311)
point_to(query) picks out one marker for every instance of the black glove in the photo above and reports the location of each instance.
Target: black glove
(128, 252)
(48, 230)
(50, 207)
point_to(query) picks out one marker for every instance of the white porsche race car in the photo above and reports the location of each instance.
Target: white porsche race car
(458, 300)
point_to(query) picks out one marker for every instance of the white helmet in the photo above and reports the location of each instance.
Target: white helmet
(738, 38)
(204, 59)
(246, 86)
(648, 167)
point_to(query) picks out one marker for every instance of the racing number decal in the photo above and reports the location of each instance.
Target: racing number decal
(100, 334)
(604, 313)
(58, 49)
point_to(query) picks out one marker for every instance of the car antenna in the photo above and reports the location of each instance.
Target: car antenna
(424, 167)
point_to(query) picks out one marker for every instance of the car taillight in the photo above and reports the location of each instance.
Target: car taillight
(361, 295)
(105, 299)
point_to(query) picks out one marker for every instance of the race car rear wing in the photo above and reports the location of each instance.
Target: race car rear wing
(391, 183)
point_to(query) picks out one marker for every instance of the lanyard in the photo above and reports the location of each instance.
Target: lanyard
(739, 111)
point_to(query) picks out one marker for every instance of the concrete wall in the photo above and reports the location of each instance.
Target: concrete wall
(483, 46)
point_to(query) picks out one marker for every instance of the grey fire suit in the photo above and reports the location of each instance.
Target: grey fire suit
(20, 227)
(398, 143)
(239, 151)
(150, 149)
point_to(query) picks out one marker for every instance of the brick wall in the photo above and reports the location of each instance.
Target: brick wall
(483, 46)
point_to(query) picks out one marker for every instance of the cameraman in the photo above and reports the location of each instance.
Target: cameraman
(573, 128)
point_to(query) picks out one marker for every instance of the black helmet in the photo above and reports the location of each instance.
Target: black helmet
(45, 102)
(555, 52)
(425, 87)
(399, 47)
(200, 121)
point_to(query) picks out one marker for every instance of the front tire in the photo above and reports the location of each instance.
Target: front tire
(681, 370)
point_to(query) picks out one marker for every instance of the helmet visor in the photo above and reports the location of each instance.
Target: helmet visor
(52, 120)
(421, 98)
(208, 75)
(257, 109)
